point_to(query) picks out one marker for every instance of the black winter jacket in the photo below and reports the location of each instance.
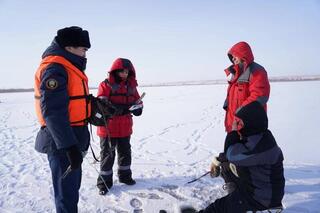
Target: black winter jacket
(258, 161)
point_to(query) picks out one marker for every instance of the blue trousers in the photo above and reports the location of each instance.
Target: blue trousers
(66, 191)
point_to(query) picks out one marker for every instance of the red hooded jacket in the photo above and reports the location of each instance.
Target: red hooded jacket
(250, 83)
(119, 92)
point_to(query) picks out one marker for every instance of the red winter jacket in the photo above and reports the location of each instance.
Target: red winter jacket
(119, 93)
(250, 83)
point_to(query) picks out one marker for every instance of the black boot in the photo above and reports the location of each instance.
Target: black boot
(125, 176)
(104, 185)
(187, 209)
(103, 191)
(127, 181)
(229, 187)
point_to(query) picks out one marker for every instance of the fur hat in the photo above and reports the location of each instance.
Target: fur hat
(254, 118)
(73, 36)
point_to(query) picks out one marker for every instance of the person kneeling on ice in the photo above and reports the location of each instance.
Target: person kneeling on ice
(251, 166)
(120, 90)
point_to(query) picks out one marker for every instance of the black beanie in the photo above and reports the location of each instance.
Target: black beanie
(254, 118)
(73, 36)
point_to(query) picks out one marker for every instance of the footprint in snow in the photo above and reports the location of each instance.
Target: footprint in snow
(135, 203)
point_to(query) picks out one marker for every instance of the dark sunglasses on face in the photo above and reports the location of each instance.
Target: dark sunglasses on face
(124, 71)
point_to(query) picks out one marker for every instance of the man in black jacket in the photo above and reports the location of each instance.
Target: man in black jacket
(251, 165)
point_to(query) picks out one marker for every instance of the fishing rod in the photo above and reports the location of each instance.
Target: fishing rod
(194, 180)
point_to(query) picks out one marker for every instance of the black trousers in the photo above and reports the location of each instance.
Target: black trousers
(237, 201)
(107, 156)
(232, 203)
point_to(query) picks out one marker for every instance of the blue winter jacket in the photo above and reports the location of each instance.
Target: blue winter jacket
(58, 135)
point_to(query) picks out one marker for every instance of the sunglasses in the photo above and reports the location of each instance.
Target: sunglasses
(124, 71)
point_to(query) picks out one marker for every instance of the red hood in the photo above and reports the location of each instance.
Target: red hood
(120, 64)
(243, 51)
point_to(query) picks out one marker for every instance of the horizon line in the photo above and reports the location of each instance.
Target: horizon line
(190, 83)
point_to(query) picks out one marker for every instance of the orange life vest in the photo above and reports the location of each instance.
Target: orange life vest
(79, 107)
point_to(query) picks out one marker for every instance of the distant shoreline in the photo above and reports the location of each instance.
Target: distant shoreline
(190, 83)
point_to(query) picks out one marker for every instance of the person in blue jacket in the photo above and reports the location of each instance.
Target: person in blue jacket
(61, 88)
(251, 165)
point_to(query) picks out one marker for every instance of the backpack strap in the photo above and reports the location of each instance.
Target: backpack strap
(115, 87)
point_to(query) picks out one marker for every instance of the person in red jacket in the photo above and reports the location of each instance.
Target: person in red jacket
(119, 90)
(248, 82)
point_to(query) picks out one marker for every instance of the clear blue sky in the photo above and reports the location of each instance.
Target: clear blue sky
(167, 40)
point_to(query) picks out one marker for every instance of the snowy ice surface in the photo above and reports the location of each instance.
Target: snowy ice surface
(181, 129)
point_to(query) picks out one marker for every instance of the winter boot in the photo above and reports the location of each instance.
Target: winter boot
(103, 189)
(187, 209)
(229, 187)
(127, 181)
(125, 176)
(104, 185)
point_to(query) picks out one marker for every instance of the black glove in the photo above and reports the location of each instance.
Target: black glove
(121, 109)
(225, 172)
(222, 157)
(104, 107)
(118, 111)
(137, 112)
(74, 156)
(225, 166)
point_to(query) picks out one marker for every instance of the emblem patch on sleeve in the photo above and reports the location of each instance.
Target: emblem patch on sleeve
(51, 83)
